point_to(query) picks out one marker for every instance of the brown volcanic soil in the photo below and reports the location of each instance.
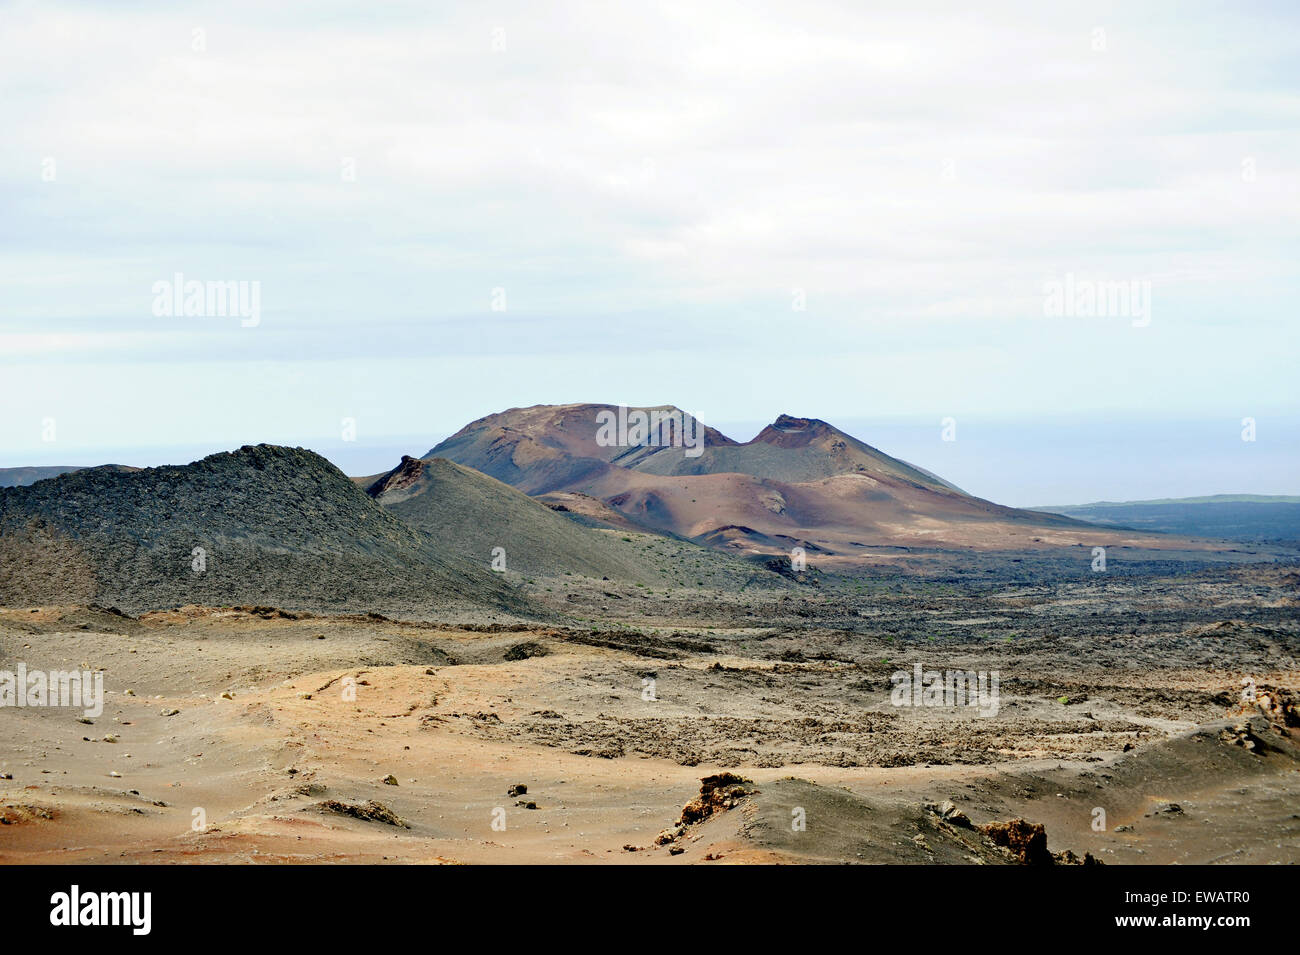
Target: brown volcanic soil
(547, 447)
(587, 510)
(849, 515)
(289, 769)
(799, 481)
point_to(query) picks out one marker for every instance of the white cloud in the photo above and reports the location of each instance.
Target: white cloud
(918, 169)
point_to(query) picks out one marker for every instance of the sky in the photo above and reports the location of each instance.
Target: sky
(865, 213)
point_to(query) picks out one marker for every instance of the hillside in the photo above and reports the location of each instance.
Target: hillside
(792, 450)
(471, 514)
(551, 447)
(799, 482)
(276, 526)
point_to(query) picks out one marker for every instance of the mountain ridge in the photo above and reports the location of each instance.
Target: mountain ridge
(261, 525)
(799, 478)
(476, 514)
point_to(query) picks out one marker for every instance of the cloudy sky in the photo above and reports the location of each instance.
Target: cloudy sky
(849, 211)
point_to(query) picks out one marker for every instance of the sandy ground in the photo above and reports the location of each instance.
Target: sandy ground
(238, 736)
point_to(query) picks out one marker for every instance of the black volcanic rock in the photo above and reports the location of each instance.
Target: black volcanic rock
(279, 526)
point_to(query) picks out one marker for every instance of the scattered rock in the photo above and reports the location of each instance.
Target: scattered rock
(717, 794)
(1069, 858)
(1027, 841)
(669, 835)
(370, 812)
(524, 651)
(1278, 705)
(20, 813)
(950, 814)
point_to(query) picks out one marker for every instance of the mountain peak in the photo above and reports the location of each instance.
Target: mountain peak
(787, 431)
(786, 422)
(399, 478)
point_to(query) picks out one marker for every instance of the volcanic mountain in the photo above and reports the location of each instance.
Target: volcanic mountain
(471, 514)
(799, 481)
(557, 447)
(261, 525)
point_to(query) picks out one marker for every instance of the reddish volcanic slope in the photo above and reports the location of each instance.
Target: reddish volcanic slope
(800, 480)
